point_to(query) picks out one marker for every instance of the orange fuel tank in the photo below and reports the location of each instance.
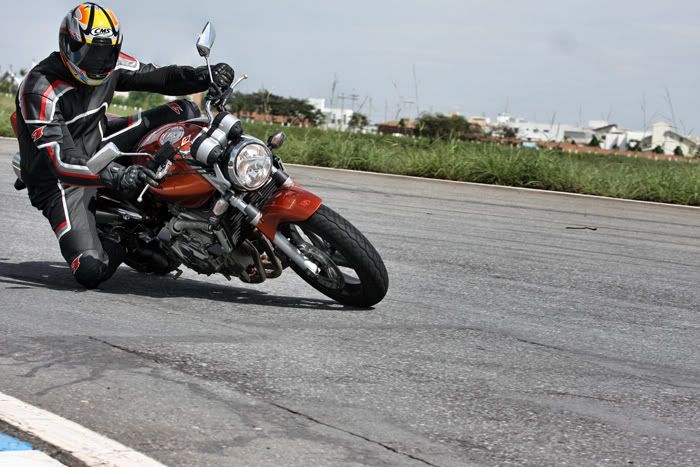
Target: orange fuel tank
(182, 187)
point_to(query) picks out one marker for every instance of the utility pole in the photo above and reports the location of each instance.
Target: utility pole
(580, 116)
(350, 97)
(335, 82)
(342, 98)
(415, 85)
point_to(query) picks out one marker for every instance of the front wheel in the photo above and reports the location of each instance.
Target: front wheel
(352, 272)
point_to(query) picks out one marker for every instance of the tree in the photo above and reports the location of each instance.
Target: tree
(509, 132)
(265, 102)
(678, 151)
(6, 87)
(440, 126)
(594, 142)
(358, 120)
(658, 150)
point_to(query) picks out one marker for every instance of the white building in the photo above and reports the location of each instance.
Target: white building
(335, 118)
(663, 136)
(542, 132)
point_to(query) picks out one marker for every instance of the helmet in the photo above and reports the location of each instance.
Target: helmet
(90, 41)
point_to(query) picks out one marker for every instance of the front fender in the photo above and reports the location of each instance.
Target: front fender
(291, 204)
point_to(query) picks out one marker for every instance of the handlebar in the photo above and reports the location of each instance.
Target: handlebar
(220, 103)
(161, 162)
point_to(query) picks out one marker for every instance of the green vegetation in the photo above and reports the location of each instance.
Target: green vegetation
(142, 100)
(358, 121)
(124, 111)
(7, 107)
(264, 102)
(447, 128)
(615, 176)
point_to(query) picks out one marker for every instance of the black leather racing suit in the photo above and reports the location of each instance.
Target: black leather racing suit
(61, 123)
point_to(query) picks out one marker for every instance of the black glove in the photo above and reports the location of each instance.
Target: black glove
(223, 77)
(131, 178)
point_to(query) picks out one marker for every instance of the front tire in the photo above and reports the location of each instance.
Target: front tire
(352, 272)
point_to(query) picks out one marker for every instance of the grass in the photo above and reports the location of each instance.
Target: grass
(7, 106)
(614, 176)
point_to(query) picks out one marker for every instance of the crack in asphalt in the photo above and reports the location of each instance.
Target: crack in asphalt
(281, 407)
(357, 435)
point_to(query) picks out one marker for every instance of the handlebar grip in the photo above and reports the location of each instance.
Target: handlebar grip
(161, 156)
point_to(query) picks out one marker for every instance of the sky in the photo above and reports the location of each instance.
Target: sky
(631, 62)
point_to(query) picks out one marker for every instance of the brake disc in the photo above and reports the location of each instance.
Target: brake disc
(330, 276)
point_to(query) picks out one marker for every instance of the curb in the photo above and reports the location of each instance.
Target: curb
(88, 447)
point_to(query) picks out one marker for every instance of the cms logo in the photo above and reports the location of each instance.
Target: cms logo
(102, 32)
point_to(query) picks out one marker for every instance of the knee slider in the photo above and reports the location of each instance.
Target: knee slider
(89, 269)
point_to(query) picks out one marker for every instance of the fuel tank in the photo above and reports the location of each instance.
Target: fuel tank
(182, 186)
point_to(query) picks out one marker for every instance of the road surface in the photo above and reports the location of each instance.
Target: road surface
(512, 334)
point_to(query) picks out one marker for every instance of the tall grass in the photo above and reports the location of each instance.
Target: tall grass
(614, 176)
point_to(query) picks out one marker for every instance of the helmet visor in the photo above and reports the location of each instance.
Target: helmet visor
(96, 59)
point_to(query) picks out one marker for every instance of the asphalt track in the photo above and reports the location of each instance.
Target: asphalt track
(512, 335)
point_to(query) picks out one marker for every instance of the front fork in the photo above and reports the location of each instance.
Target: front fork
(289, 204)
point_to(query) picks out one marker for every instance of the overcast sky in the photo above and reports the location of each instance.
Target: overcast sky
(548, 59)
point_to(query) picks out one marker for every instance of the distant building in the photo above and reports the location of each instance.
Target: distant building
(579, 136)
(400, 128)
(335, 118)
(481, 122)
(669, 141)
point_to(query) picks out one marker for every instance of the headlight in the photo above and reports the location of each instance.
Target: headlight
(251, 166)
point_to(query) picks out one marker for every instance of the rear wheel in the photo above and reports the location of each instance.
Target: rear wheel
(352, 272)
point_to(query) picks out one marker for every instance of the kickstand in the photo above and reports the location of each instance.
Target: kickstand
(178, 273)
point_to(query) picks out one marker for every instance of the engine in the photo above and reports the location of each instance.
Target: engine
(209, 251)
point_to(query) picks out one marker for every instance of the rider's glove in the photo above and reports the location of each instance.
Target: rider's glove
(127, 179)
(223, 77)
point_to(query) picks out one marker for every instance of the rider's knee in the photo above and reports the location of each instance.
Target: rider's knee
(89, 268)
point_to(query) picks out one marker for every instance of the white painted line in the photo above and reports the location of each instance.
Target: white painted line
(27, 459)
(498, 187)
(87, 446)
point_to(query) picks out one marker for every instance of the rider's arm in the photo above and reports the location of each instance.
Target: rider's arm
(52, 138)
(170, 80)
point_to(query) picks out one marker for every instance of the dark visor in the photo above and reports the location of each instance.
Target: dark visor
(97, 60)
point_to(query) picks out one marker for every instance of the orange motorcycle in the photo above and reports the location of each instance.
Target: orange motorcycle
(225, 205)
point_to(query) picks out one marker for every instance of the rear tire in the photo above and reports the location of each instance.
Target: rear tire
(334, 243)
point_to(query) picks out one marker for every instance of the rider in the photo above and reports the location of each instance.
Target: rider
(61, 123)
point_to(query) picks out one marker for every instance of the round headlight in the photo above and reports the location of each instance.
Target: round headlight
(251, 167)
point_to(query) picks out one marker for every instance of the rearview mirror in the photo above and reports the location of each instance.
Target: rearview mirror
(277, 140)
(206, 40)
(103, 158)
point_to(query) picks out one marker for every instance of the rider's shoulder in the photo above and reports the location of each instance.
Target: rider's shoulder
(46, 79)
(127, 62)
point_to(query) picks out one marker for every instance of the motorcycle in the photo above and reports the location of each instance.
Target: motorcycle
(225, 205)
